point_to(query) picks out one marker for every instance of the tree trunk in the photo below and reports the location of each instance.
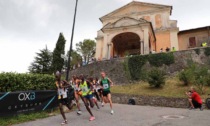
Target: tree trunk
(88, 58)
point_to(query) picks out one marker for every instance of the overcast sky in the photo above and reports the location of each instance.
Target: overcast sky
(26, 26)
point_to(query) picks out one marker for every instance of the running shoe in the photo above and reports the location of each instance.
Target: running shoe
(102, 104)
(64, 122)
(79, 112)
(191, 108)
(112, 112)
(92, 118)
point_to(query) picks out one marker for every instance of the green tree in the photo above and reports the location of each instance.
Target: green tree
(42, 62)
(200, 78)
(197, 75)
(86, 49)
(58, 62)
(76, 58)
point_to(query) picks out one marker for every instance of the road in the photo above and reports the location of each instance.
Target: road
(127, 115)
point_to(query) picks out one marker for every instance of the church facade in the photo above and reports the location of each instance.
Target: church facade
(136, 28)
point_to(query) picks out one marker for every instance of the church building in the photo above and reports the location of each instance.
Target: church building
(136, 28)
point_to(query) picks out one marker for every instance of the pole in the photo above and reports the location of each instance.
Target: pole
(208, 35)
(72, 37)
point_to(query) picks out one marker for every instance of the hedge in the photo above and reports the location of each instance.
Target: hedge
(24, 82)
(136, 63)
(159, 59)
(207, 51)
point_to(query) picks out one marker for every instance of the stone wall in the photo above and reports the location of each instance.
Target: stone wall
(182, 58)
(151, 100)
(115, 67)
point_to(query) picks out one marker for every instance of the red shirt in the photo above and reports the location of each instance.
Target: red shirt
(195, 96)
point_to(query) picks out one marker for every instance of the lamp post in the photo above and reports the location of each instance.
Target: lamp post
(72, 37)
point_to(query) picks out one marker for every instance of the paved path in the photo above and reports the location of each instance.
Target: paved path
(126, 115)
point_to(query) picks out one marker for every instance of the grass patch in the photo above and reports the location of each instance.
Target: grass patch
(172, 88)
(11, 120)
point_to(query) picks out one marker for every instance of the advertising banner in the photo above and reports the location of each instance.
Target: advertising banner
(12, 103)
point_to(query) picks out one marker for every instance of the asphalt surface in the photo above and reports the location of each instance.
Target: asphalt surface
(128, 115)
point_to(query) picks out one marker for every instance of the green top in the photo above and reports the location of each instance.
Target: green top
(106, 84)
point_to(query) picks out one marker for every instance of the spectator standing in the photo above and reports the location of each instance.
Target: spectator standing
(167, 49)
(173, 49)
(161, 50)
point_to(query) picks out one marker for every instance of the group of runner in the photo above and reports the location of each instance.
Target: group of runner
(89, 90)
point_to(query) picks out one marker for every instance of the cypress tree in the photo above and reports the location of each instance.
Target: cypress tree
(58, 62)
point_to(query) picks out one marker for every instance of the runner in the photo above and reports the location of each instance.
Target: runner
(62, 95)
(97, 87)
(86, 93)
(90, 80)
(100, 89)
(75, 84)
(106, 83)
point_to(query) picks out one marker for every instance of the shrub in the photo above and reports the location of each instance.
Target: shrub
(159, 59)
(135, 65)
(186, 76)
(196, 75)
(197, 51)
(200, 78)
(208, 80)
(200, 83)
(23, 82)
(207, 51)
(126, 68)
(156, 78)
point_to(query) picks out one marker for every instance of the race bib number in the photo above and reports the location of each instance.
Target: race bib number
(65, 95)
(105, 86)
(84, 89)
(75, 88)
(62, 93)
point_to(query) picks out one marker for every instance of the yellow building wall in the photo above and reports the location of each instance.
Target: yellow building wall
(162, 41)
(200, 36)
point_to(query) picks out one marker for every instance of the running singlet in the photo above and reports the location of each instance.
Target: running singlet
(75, 86)
(84, 87)
(106, 85)
(62, 93)
(97, 86)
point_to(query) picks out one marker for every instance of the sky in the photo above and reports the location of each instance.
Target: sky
(26, 26)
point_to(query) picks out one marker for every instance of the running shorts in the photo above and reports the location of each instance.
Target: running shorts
(89, 96)
(64, 101)
(105, 93)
